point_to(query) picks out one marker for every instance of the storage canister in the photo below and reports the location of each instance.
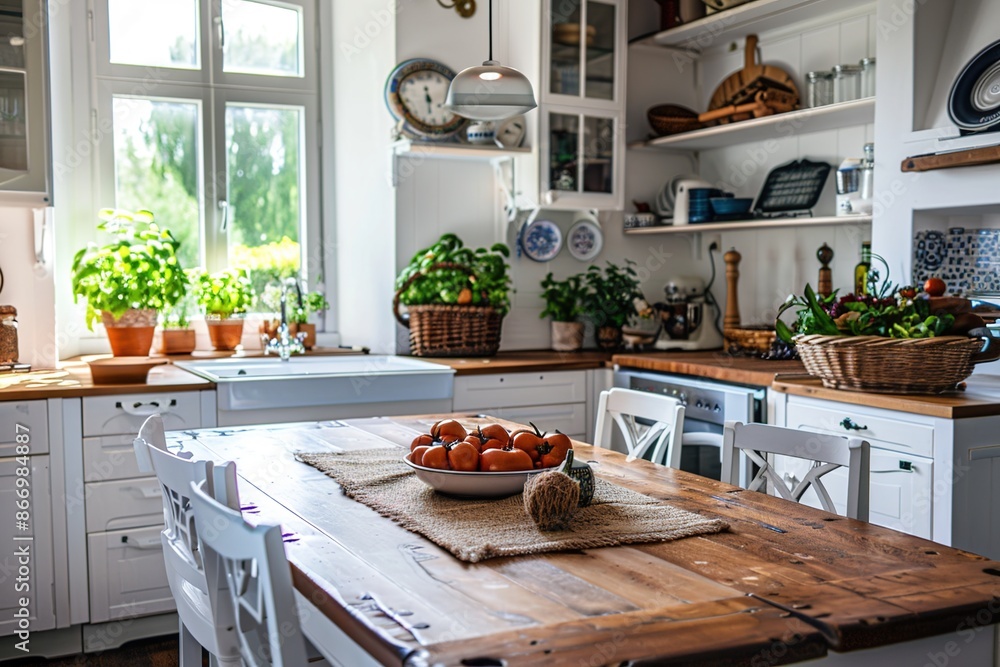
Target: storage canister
(8, 335)
(867, 77)
(819, 89)
(846, 83)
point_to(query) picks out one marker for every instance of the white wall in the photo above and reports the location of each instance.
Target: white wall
(28, 287)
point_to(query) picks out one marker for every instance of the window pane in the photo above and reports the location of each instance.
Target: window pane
(261, 38)
(264, 172)
(158, 166)
(157, 33)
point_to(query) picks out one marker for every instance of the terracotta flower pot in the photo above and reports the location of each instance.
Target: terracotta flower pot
(309, 341)
(177, 341)
(130, 335)
(225, 334)
(567, 336)
(609, 338)
(269, 328)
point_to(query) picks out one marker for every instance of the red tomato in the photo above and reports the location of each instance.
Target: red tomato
(421, 440)
(935, 286)
(553, 449)
(436, 457)
(504, 460)
(448, 427)
(417, 455)
(463, 456)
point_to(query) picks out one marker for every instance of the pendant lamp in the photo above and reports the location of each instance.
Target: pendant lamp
(490, 91)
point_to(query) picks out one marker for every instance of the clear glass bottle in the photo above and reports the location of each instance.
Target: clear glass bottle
(846, 83)
(868, 172)
(867, 77)
(861, 269)
(819, 89)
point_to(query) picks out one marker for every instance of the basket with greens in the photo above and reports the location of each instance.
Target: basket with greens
(890, 340)
(455, 298)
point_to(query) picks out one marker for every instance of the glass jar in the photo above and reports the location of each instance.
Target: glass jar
(846, 83)
(867, 77)
(819, 89)
(8, 335)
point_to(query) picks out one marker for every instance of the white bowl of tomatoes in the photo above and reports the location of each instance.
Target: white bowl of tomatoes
(486, 462)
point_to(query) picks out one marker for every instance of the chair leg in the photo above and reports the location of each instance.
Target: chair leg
(188, 650)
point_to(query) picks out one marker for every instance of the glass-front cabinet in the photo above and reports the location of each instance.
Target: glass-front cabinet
(582, 110)
(24, 110)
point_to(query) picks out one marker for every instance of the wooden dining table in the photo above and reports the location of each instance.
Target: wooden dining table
(785, 583)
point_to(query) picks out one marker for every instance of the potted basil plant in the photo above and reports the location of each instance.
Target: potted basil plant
(298, 316)
(224, 297)
(127, 280)
(177, 335)
(563, 303)
(610, 301)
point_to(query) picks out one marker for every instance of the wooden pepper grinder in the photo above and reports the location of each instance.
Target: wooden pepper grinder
(732, 318)
(825, 285)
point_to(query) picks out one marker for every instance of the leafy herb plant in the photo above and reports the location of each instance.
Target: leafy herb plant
(225, 293)
(488, 286)
(138, 268)
(563, 298)
(610, 294)
(886, 310)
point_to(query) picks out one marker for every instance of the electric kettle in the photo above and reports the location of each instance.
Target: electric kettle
(683, 198)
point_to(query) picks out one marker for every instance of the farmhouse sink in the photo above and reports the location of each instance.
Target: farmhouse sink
(379, 382)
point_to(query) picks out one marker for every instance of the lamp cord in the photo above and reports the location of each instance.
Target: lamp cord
(491, 29)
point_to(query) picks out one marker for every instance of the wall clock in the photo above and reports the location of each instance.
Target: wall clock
(415, 93)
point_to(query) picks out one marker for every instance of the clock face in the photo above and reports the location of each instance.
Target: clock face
(416, 92)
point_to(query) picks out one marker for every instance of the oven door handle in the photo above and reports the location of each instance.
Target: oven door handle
(694, 438)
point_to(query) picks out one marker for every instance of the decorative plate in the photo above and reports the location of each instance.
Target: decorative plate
(415, 93)
(584, 240)
(541, 240)
(473, 484)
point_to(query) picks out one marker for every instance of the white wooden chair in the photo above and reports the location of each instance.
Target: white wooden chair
(624, 406)
(185, 564)
(251, 570)
(827, 452)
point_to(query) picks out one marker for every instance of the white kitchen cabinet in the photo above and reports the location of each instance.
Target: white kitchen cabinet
(932, 477)
(582, 110)
(552, 400)
(127, 574)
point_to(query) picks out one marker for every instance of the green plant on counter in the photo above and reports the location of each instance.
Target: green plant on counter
(489, 285)
(137, 269)
(225, 293)
(611, 293)
(886, 310)
(178, 316)
(312, 302)
(563, 298)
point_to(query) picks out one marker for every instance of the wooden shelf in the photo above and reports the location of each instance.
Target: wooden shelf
(754, 17)
(818, 119)
(737, 225)
(456, 151)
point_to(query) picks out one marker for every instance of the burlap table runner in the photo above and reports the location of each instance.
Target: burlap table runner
(474, 530)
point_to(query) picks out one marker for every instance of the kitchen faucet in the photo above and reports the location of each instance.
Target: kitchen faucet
(284, 343)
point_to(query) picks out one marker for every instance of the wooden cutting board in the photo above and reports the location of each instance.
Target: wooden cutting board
(741, 86)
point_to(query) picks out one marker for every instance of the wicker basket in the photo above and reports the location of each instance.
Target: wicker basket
(750, 338)
(894, 365)
(667, 119)
(449, 330)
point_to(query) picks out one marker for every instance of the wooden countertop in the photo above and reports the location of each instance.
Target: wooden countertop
(954, 405)
(73, 379)
(785, 576)
(715, 365)
(529, 360)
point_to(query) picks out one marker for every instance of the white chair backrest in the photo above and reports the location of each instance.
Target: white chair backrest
(184, 561)
(252, 567)
(624, 406)
(827, 452)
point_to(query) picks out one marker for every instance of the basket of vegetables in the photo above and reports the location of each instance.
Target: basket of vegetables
(455, 299)
(890, 340)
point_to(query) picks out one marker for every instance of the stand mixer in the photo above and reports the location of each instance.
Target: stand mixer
(688, 314)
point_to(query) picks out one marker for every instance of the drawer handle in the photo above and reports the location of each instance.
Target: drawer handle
(145, 491)
(904, 466)
(144, 543)
(849, 424)
(154, 407)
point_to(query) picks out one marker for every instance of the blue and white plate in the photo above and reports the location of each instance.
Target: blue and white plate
(584, 240)
(541, 240)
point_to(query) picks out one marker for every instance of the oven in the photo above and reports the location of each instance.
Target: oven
(708, 405)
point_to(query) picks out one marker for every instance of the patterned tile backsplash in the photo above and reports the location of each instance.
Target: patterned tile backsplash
(965, 258)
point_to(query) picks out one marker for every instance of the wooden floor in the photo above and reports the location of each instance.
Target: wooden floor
(157, 652)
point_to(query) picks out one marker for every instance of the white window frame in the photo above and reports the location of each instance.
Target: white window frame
(213, 88)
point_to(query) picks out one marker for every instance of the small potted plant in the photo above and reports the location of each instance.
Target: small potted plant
(298, 316)
(126, 281)
(563, 303)
(177, 336)
(224, 297)
(610, 301)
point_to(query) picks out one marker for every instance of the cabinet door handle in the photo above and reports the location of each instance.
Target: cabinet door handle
(904, 466)
(157, 406)
(849, 424)
(143, 542)
(145, 491)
